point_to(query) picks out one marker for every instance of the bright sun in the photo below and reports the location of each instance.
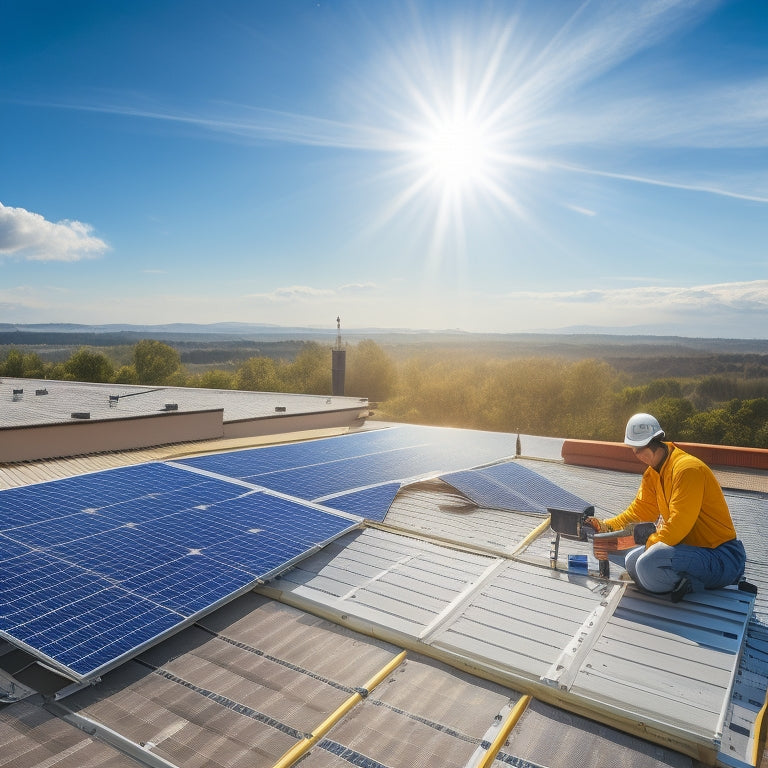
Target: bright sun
(456, 154)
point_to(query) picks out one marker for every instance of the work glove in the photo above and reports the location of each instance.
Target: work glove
(598, 525)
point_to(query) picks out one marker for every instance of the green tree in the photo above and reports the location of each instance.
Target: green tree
(370, 372)
(714, 389)
(86, 365)
(258, 374)
(705, 427)
(155, 362)
(309, 373)
(589, 403)
(126, 374)
(33, 366)
(673, 414)
(13, 364)
(215, 379)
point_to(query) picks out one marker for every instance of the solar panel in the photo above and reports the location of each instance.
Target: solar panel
(330, 466)
(369, 503)
(96, 568)
(512, 486)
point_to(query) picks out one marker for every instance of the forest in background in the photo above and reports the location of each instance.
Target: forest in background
(578, 388)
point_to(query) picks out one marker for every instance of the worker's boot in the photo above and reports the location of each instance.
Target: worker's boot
(682, 588)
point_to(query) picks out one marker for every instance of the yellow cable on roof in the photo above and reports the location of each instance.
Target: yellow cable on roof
(302, 747)
(757, 731)
(505, 730)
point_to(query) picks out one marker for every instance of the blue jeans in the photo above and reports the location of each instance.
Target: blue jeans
(660, 567)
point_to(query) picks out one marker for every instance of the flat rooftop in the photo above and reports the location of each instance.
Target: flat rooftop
(595, 672)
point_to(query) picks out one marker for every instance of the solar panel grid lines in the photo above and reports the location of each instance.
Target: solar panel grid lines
(106, 575)
(370, 503)
(510, 486)
(127, 556)
(61, 611)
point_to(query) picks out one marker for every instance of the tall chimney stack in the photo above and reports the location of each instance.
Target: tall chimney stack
(338, 363)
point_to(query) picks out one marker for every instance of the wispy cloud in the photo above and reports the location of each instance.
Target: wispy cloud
(533, 86)
(30, 236)
(581, 210)
(690, 186)
(744, 296)
(293, 293)
(357, 288)
(310, 293)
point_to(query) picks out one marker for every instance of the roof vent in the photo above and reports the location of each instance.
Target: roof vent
(81, 415)
(171, 407)
(280, 408)
(113, 400)
(41, 391)
(18, 394)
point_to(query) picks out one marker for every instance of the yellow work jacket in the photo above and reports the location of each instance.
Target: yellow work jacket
(687, 498)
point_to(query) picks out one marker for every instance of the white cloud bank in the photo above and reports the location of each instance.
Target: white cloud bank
(32, 237)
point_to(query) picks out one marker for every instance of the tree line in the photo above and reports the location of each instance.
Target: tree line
(587, 399)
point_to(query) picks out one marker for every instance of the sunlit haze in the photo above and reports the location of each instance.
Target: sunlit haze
(425, 164)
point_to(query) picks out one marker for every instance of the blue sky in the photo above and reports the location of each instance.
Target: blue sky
(491, 166)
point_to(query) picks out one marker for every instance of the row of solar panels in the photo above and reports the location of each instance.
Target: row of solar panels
(94, 569)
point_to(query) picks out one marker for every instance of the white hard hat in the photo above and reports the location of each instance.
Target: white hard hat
(641, 429)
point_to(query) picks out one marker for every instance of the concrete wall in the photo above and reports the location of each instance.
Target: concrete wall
(295, 422)
(76, 438)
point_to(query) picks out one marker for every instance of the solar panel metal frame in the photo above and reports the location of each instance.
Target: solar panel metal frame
(406, 452)
(78, 671)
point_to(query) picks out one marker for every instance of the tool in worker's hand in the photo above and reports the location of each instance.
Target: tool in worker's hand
(612, 541)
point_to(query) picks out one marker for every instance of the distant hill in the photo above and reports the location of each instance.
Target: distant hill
(643, 357)
(564, 342)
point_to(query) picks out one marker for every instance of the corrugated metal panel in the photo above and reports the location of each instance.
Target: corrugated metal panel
(400, 584)
(550, 632)
(522, 620)
(238, 691)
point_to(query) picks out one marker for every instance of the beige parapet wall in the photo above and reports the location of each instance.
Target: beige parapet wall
(296, 422)
(80, 437)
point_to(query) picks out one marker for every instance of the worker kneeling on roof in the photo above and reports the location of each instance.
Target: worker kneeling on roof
(695, 545)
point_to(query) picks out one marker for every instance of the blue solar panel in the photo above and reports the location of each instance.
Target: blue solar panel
(370, 503)
(320, 468)
(511, 486)
(95, 568)
(131, 555)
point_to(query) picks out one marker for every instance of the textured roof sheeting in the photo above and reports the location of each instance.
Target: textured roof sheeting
(213, 715)
(119, 401)
(32, 738)
(572, 640)
(246, 684)
(277, 674)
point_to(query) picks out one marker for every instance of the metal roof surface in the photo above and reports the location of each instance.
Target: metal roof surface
(466, 590)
